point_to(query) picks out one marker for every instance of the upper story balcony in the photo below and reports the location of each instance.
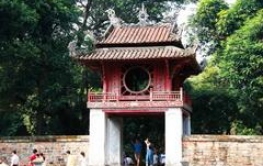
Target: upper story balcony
(155, 100)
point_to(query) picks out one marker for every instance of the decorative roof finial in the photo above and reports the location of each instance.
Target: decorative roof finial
(143, 16)
(115, 21)
(73, 48)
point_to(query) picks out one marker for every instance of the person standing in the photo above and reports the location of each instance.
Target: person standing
(33, 157)
(2, 163)
(128, 161)
(83, 160)
(137, 147)
(38, 161)
(71, 159)
(155, 157)
(14, 159)
(44, 159)
(162, 157)
(149, 153)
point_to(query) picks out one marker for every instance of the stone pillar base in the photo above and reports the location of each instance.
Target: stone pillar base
(105, 146)
(97, 138)
(173, 137)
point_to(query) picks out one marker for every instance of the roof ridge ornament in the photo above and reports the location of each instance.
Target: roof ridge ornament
(73, 47)
(191, 49)
(114, 20)
(143, 16)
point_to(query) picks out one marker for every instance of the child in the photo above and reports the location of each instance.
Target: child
(155, 158)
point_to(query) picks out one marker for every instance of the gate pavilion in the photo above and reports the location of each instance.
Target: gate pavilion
(143, 67)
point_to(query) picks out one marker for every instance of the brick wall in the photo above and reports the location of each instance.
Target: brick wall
(199, 150)
(54, 147)
(223, 150)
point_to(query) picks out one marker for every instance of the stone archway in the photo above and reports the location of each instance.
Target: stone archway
(106, 137)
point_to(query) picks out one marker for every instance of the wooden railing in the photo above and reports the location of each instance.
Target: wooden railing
(153, 96)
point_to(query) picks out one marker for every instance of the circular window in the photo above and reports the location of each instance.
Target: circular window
(136, 79)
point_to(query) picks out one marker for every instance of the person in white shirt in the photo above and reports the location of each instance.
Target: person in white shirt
(72, 160)
(162, 159)
(39, 160)
(14, 159)
(2, 163)
(128, 161)
(83, 160)
(44, 159)
(155, 157)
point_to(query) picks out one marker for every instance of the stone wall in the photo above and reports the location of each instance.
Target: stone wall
(199, 150)
(54, 147)
(223, 150)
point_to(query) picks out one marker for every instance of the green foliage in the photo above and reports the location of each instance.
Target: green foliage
(232, 19)
(241, 65)
(216, 115)
(239, 128)
(214, 107)
(207, 17)
(18, 19)
(11, 122)
(37, 75)
(233, 80)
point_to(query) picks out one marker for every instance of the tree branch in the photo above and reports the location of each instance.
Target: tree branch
(86, 14)
(82, 4)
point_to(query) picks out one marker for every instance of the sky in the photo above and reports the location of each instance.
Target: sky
(230, 2)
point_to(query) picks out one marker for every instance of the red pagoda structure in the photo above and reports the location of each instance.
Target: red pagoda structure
(143, 67)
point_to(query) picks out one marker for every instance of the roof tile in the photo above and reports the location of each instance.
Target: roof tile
(132, 53)
(134, 34)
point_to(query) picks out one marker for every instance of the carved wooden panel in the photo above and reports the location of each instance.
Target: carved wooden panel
(159, 77)
(112, 74)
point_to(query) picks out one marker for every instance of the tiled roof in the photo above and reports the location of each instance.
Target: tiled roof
(135, 34)
(133, 53)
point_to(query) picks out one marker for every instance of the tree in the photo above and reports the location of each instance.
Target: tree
(36, 79)
(241, 66)
(214, 109)
(237, 60)
(206, 19)
(232, 19)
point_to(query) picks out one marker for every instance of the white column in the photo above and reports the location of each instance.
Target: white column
(97, 137)
(114, 141)
(187, 125)
(173, 136)
(188, 121)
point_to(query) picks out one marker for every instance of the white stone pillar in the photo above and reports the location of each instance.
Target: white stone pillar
(173, 136)
(188, 121)
(97, 137)
(187, 125)
(114, 141)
